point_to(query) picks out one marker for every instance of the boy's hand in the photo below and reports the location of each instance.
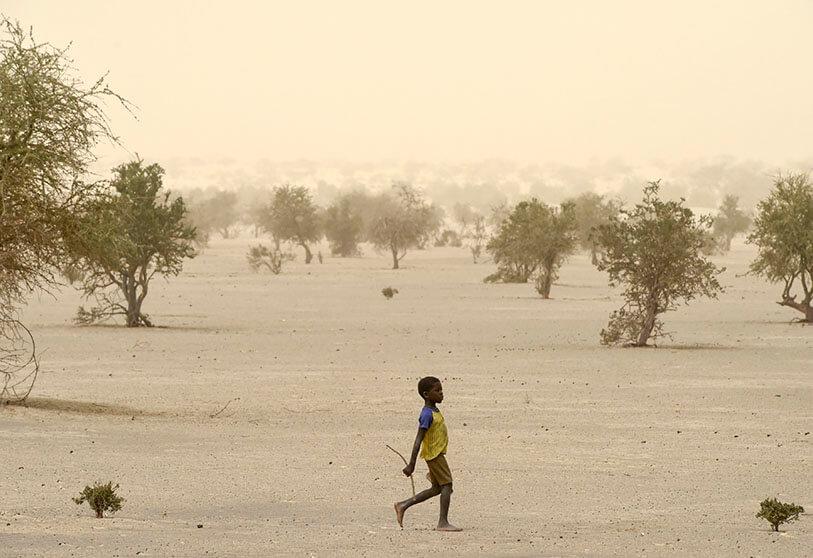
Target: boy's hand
(409, 469)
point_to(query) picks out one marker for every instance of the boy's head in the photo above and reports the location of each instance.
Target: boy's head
(430, 389)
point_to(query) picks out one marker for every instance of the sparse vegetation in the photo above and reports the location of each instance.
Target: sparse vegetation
(401, 220)
(292, 216)
(271, 258)
(477, 237)
(101, 498)
(216, 213)
(729, 222)
(783, 233)
(344, 227)
(592, 210)
(128, 235)
(533, 241)
(776, 513)
(389, 292)
(655, 251)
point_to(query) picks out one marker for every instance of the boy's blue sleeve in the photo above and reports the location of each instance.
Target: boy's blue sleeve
(425, 420)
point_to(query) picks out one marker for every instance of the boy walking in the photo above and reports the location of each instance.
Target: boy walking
(432, 440)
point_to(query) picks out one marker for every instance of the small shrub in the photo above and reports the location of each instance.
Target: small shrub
(776, 513)
(389, 292)
(101, 498)
(272, 258)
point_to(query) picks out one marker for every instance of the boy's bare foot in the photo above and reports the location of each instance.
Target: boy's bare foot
(448, 527)
(399, 514)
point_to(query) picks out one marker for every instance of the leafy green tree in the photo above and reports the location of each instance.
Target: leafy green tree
(401, 220)
(729, 222)
(655, 251)
(533, 241)
(344, 227)
(293, 216)
(592, 210)
(129, 235)
(783, 232)
(50, 123)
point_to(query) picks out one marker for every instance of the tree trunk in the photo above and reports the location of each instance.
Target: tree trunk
(593, 256)
(648, 326)
(308, 254)
(543, 282)
(99, 514)
(805, 309)
(394, 257)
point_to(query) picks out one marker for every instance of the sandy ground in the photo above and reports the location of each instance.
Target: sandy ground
(559, 447)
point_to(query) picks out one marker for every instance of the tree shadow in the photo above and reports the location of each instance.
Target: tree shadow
(81, 407)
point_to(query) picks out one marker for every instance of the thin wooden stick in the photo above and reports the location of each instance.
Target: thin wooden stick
(224, 407)
(412, 480)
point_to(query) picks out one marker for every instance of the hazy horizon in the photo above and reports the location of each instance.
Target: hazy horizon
(455, 82)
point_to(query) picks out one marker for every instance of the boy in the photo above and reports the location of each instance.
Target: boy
(432, 440)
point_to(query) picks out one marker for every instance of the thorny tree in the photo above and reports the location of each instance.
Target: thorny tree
(654, 250)
(49, 124)
(783, 232)
(130, 235)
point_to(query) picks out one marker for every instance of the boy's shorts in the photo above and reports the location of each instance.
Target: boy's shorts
(439, 472)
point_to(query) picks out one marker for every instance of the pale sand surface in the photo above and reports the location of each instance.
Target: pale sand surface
(559, 447)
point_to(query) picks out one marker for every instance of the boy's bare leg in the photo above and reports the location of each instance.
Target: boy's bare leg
(445, 499)
(401, 507)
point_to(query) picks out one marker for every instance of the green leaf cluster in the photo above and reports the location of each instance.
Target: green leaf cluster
(131, 233)
(776, 513)
(533, 240)
(101, 498)
(655, 251)
(783, 234)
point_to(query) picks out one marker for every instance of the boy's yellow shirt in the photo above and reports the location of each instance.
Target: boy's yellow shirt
(436, 439)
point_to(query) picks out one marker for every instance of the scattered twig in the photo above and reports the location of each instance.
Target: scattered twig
(411, 479)
(224, 407)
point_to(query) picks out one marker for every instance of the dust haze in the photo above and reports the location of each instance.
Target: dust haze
(254, 419)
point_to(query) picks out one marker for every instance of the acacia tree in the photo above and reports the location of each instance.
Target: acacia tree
(344, 227)
(129, 235)
(592, 210)
(402, 220)
(655, 251)
(729, 222)
(50, 122)
(292, 216)
(783, 232)
(534, 240)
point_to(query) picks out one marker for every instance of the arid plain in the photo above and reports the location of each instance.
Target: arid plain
(558, 446)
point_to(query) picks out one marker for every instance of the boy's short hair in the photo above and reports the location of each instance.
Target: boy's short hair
(425, 384)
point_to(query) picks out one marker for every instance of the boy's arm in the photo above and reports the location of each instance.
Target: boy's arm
(409, 469)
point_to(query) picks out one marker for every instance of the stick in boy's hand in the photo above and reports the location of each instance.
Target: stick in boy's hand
(405, 468)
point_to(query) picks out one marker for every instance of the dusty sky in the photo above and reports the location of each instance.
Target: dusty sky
(541, 81)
